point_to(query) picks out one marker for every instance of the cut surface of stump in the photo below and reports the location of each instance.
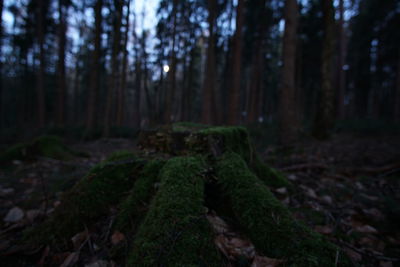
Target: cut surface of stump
(159, 200)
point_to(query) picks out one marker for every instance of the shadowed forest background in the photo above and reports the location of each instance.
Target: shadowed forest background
(200, 133)
(96, 68)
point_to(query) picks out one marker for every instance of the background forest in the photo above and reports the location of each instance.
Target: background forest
(115, 150)
(95, 68)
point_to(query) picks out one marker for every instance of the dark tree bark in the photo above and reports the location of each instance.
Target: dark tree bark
(342, 57)
(115, 70)
(234, 113)
(289, 119)
(208, 104)
(62, 30)
(122, 87)
(1, 63)
(40, 90)
(94, 82)
(326, 112)
(254, 97)
(171, 87)
(397, 101)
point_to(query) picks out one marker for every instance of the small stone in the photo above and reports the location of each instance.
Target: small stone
(327, 199)
(281, 190)
(99, 263)
(6, 191)
(14, 215)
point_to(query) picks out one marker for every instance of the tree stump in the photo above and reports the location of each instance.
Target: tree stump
(160, 198)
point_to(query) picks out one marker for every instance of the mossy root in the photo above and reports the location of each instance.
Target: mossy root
(267, 222)
(89, 199)
(132, 209)
(175, 231)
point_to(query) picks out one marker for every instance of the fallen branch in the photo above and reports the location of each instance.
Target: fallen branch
(368, 253)
(306, 166)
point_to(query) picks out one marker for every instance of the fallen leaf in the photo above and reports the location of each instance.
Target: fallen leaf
(218, 224)
(374, 213)
(71, 259)
(117, 237)
(31, 215)
(14, 215)
(235, 247)
(352, 254)
(323, 229)
(367, 229)
(385, 264)
(266, 262)
(309, 192)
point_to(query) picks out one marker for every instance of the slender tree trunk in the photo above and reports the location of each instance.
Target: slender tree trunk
(234, 115)
(208, 110)
(326, 113)
(121, 95)
(289, 120)
(62, 30)
(94, 82)
(397, 101)
(172, 72)
(254, 98)
(1, 63)
(342, 60)
(113, 88)
(40, 90)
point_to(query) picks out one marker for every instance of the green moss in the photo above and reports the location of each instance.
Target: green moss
(120, 155)
(133, 208)
(188, 126)
(91, 198)
(16, 152)
(267, 222)
(268, 175)
(44, 146)
(175, 231)
(236, 139)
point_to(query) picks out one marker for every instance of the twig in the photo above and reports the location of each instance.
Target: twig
(306, 166)
(367, 253)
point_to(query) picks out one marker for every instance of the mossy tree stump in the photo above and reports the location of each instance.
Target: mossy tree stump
(163, 194)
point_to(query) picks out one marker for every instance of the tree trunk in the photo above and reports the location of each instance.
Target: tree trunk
(324, 121)
(94, 82)
(1, 64)
(40, 90)
(62, 31)
(397, 101)
(234, 116)
(254, 98)
(208, 103)
(171, 87)
(122, 87)
(289, 120)
(342, 62)
(115, 70)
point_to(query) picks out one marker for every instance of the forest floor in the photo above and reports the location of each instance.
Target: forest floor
(347, 189)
